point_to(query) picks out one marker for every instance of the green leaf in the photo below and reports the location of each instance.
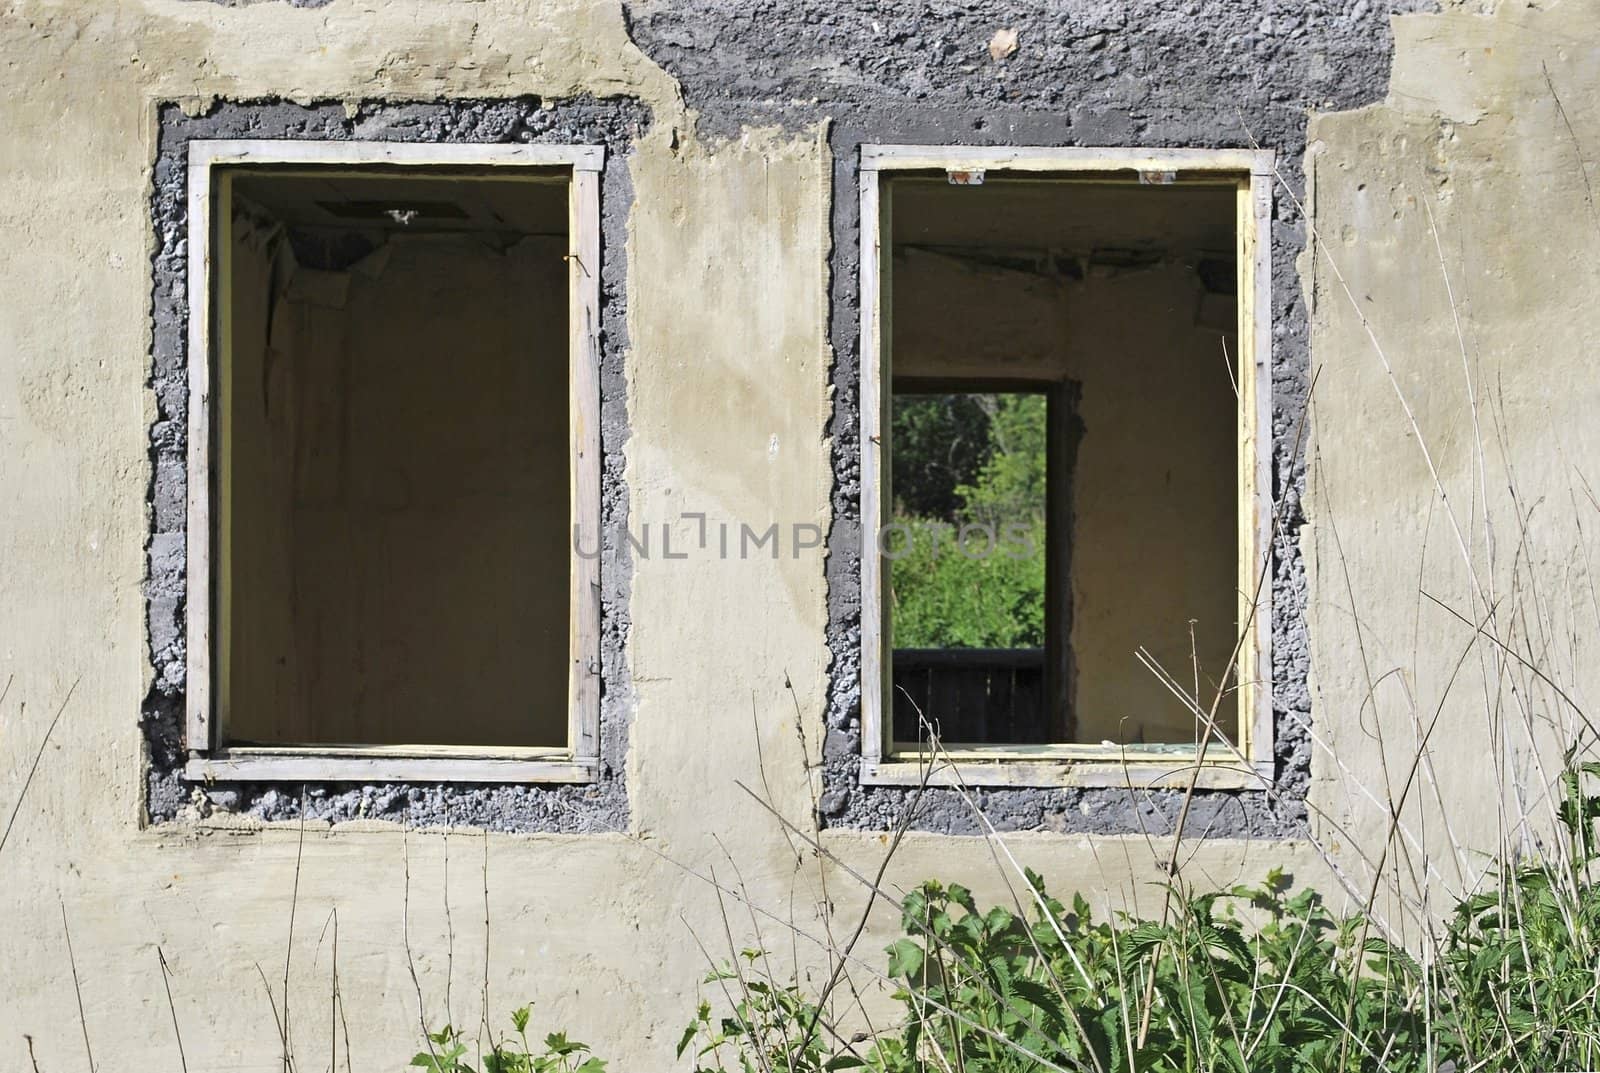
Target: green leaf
(905, 958)
(687, 1037)
(1041, 998)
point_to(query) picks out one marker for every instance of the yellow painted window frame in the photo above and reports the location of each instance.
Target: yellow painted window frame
(209, 755)
(1249, 762)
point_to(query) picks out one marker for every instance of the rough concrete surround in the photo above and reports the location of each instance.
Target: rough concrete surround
(616, 124)
(1438, 291)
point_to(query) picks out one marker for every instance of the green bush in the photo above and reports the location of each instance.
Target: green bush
(942, 599)
(1205, 991)
(987, 990)
(1518, 980)
(768, 1026)
(969, 460)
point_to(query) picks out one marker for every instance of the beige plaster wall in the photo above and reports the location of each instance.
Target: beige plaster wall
(1154, 489)
(727, 409)
(1453, 442)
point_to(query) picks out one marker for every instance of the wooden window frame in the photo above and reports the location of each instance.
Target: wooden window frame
(210, 756)
(1249, 762)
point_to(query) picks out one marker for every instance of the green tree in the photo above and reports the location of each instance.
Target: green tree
(940, 443)
(968, 558)
(1011, 486)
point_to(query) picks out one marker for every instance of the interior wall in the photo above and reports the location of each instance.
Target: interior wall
(1154, 492)
(256, 640)
(400, 487)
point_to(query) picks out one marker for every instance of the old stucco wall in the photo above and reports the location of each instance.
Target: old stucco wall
(1145, 73)
(728, 402)
(1453, 445)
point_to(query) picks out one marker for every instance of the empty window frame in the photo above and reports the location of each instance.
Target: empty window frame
(393, 444)
(1127, 293)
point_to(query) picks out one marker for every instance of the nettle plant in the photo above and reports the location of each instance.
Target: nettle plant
(769, 1026)
(1519, 973)
(448, 1052)
(1248, 978)
(994, 991)
(997, 991)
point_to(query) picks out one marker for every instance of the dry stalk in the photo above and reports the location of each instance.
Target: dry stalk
(177, 1034)
(16, 806)
(77, 988)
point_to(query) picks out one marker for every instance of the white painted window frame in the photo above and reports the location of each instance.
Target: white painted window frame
(1250, 765)
(210, 757)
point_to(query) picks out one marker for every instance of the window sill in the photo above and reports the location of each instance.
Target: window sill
(1139, 773)
(390, 764)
